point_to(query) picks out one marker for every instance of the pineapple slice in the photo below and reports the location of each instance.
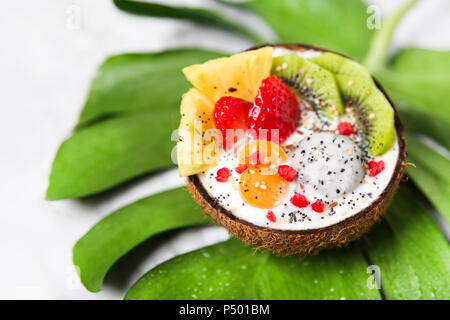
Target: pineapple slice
(238, 76)
(198, 145)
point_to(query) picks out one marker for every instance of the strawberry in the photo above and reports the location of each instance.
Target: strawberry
(275, 107)
(229, 114)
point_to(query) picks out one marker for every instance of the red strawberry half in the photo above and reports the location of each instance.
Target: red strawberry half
(231, 114)
(275, 107)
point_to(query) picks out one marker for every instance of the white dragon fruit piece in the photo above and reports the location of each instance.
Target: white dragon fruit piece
(329, 165)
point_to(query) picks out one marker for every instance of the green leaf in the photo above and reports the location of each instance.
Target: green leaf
(431, 174)
(231, 270)
(121, 231)
(130, 83)
(421, 122)
(338, 25)
(145, 89)
(424, 61)
(198, 15)
(381, 41)
(101, 156)
(420, 79)
(412, 254)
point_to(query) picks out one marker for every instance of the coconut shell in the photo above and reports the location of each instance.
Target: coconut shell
(311, 241)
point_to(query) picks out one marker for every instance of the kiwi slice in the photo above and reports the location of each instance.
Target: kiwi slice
(314, 84)
(340, 65)
(375, 115)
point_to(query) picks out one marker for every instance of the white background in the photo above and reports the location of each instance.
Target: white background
(46, 65)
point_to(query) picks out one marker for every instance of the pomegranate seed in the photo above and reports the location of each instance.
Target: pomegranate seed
(240, 169)
(317, 206)
(345, 128)
(223, 174)
(299, 200)
(271, 216)
(287, 172)
(375, 167)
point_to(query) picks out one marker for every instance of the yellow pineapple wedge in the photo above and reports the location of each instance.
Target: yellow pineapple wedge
(198, 143)
(238, 76)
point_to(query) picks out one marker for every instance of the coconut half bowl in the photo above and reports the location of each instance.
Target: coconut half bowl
(310, 241)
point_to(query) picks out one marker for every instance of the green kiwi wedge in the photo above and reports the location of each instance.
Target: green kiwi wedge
(340, 65)
(333, 83)
(314, 84)
(374, 113)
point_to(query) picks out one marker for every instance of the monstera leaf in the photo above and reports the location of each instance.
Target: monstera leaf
(201, 16)
(125, 131)
(420, 78)
(337, 25)
(136, 82)
(393, 247)
(431, 173)
(126, 126)
(418, 81)
(231, 270)
(410, 252)
(121, 231)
